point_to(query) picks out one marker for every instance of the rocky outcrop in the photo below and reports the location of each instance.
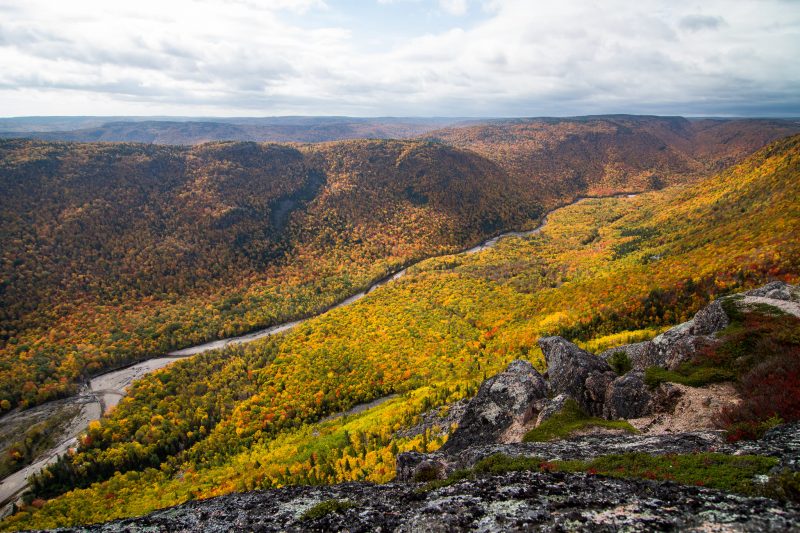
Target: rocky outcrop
(776, 290)
(576, 373)
(516, 501)
(680, 343)
(675, 346)
(502, 400)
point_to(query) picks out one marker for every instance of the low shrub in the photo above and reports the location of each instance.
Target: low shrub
(620, 362)
(324, 508)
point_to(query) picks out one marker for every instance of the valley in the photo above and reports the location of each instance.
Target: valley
(601, 272)
(104, 392)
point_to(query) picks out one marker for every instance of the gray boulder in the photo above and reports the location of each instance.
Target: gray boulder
(627, 397)
(675, 346)
(569, 369)
(710, 319)
(502, 400)
(551, 408)
(594, 396)
(637, 352)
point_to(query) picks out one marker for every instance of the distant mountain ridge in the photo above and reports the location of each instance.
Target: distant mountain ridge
(192, 131)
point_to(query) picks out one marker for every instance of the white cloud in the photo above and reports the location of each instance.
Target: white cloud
(454, 7)
(518, 57)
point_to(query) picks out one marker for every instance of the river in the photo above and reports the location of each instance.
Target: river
(106, 390)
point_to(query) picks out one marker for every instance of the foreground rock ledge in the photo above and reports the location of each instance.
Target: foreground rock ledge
(516, 501)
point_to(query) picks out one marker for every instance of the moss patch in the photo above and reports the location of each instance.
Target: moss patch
(327, 507)
(569, 420)
(452, 479)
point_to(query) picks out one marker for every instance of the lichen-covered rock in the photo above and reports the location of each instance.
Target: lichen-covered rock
(516, 501)
(710, 319)
(627, 397)
(676, 346)
(551, 408)
(508, 397)
(569, 368)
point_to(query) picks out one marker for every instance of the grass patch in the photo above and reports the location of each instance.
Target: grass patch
(784, 485)
(327, 507)
(732, 473)
(570, 419)
(687, 374)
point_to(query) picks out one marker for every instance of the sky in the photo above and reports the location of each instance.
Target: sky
(464, 58)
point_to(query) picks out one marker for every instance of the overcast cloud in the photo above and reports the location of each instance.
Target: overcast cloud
(399, 57)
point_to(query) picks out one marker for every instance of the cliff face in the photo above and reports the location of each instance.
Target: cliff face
(596, 443)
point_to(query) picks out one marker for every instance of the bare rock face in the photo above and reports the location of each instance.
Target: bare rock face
(569, 369)
(627, 397)
(502, 400)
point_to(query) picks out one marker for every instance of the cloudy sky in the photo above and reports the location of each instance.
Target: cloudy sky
(399, 57)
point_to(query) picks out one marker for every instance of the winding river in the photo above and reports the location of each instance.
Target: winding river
(106, 390)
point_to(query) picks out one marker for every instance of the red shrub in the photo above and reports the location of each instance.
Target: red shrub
(770, 389)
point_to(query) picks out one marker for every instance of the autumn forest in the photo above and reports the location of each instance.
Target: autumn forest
(115, 253)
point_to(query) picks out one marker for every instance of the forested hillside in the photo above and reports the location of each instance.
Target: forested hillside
(603, 154)
(601, 272)
(119, 252)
